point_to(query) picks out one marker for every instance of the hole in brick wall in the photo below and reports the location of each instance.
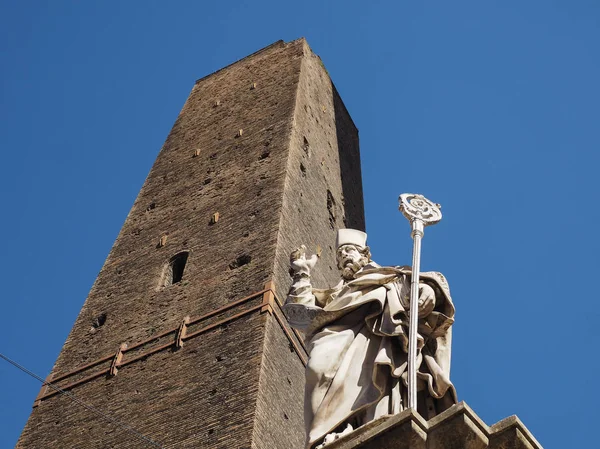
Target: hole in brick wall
(173, 271)
(242, 260)
(289, 381)
(212, 392)
(219, 358)
(306, 147)
(264, 155)
(331, 209)
(285, 416)
(245, 234)
(291, 346)
(211, 431)
(267, 143)
(151, 206)
(303, 170)
(99, 321)
(207, 181)
(178, 265)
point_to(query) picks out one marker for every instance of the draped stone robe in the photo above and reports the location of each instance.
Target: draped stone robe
(357, 340)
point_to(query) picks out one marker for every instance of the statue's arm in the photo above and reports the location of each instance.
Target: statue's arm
(301, 291)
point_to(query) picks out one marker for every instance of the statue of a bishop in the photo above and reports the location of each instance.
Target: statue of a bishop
(357, 340)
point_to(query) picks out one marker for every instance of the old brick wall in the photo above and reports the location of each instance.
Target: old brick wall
(234, 149)
(279, 413)
(323, 187)
(239, 177)
(181, 398)
(323, 192)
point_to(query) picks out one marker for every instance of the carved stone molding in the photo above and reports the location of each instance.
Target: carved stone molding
(456, 428)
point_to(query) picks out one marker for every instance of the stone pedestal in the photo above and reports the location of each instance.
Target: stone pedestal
(457, 428)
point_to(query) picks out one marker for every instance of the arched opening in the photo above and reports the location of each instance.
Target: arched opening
(173, 272)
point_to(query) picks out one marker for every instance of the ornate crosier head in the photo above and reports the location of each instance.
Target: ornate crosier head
(416, 207)
(352, 252)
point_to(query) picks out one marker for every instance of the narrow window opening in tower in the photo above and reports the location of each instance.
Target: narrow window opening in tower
(306, 147)
(331, 209)
(242, 260)
(303, 170)
(173, 272)
(99, 321)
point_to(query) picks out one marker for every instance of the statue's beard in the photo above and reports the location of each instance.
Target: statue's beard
(351, 267)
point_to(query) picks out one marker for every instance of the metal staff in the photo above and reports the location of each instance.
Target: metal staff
(420, 212)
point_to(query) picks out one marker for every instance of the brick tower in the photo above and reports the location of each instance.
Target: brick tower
(181, 336)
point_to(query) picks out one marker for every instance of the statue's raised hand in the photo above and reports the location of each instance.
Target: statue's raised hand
(299, 264)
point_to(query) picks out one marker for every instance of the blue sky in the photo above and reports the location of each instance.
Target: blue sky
(488, 107)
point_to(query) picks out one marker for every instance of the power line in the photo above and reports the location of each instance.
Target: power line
(71, 396)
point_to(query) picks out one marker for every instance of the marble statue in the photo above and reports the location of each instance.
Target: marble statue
(357, 339)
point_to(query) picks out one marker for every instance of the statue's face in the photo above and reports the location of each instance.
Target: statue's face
(350, 260)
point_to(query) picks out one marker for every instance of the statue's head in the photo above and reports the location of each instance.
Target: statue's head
(352, 252)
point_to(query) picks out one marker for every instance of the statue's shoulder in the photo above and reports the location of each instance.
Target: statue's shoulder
(437, 276)
(373, 267)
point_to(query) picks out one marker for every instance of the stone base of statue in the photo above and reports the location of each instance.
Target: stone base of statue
(456, 428)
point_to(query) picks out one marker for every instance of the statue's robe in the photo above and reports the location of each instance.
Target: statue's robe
(357, 340)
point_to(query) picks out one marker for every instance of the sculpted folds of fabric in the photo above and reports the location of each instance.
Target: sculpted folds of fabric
(357, 339)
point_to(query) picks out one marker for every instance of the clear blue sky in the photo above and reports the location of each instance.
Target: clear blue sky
(488, 107)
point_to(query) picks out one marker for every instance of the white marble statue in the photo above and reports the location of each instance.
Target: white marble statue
(357, 339)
